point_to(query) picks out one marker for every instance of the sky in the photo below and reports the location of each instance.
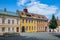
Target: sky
(41, 7)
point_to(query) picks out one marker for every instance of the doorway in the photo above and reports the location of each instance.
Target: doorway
(45, 28)
(17, 29)
(23, 29)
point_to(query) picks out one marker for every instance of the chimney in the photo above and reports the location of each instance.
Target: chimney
(25, 10)
(5, 10)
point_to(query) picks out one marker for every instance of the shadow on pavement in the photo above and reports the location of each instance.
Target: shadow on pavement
(57, 36)
(18, 38)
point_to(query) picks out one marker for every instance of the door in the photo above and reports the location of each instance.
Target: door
(45, 28)
(23, 29)
(17, 29)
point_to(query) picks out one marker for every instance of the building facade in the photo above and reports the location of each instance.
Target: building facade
(22, 21)
(9, 22)
(42, 25)
(30, 22)
(55, 30)
(58, 27)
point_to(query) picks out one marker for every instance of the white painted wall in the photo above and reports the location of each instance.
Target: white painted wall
(6, 23)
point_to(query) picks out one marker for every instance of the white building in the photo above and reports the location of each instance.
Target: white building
(9, 22)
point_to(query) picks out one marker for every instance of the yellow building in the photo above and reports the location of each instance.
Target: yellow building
(29, 21)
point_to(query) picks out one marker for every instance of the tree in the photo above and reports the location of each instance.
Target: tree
(53, 23)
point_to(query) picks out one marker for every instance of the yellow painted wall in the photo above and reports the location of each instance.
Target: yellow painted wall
(28, 24)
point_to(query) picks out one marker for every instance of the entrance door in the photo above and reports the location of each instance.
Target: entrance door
(45, 28)
(17, 29)
(23, 29)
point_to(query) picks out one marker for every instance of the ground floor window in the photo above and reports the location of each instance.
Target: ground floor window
(8, 28)
(26, 27)
(29, 27)
(13, 29)
(38, 28)
(3, 29)
(34, 27)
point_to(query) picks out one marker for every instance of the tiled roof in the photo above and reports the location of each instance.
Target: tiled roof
(32, 15)
(8, 13)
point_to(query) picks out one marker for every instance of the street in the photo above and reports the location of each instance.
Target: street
(34, 36)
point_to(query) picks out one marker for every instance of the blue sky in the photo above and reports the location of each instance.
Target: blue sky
(42, 7)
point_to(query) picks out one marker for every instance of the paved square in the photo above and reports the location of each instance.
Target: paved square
(42, 36)
(34, 36)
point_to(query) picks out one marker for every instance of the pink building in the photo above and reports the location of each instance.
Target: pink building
(9, 22)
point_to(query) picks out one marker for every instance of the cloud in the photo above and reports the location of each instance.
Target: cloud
(22, 2)
(58, 14)
(39, 8)
(35, 6)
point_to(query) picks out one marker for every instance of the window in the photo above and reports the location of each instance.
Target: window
(31, 21)
(8, 21)
(23, 21)
(12, 21)
(34, 22)
(29, 27)
(28, 15)
(34, 28)
(3, 20)
(41, 27)
(45, 20)
(38, 16)
(9, 29)
(13, 29)
(3, 29)
(22, 13)
(38, 28)
(42, 17)
(27, 21)
(41, 21)
(17, 21)
(26, 27)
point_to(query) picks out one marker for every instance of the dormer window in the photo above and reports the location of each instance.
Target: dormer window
(38, 17)
(32, 15)
(22, 13)
(28, 15)
(42, 17)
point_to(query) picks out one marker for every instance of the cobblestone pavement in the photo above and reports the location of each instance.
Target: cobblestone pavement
(34, 36)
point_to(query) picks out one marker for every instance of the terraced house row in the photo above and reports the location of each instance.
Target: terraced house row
(22, 21)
